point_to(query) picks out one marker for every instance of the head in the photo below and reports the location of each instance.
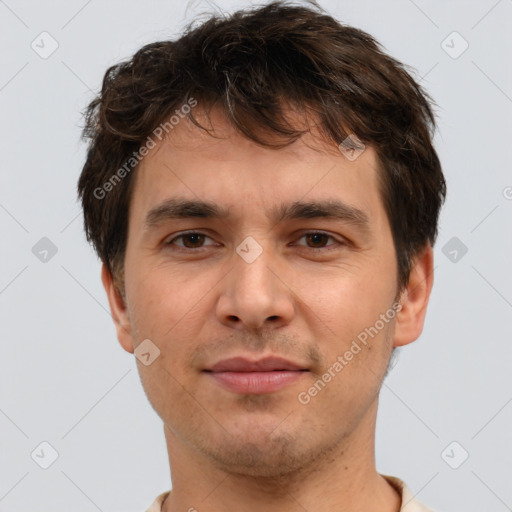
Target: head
(240, 128)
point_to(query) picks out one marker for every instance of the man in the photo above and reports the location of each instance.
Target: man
(264, 196)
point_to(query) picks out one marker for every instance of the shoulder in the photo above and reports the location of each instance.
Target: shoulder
(156, 506)
(409, 502)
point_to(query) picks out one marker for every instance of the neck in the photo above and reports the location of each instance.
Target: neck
(344, 480)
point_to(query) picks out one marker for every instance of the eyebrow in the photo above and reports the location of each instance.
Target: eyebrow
(181, 208)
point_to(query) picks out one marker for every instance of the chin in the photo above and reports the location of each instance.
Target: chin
(260, 455)
(276, 458)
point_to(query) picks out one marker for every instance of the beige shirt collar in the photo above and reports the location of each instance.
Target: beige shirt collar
(409, 503)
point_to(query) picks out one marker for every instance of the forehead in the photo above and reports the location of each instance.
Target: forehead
(229, 169)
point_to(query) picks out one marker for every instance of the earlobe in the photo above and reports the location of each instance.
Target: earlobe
(414, 299)
(118, 310)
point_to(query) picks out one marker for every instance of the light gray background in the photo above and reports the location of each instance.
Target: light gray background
(64, 378)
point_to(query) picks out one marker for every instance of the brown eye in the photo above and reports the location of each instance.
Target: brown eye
(319, 240)
(192, 240)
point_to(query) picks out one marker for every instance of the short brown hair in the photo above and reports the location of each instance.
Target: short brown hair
(251, 64)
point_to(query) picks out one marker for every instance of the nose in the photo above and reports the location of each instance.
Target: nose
(256, 294)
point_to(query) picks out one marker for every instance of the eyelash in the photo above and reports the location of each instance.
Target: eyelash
(197, 249)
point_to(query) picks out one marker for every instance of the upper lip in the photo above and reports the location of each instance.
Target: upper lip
(266, 364)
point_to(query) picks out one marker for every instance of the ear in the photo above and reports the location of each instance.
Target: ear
(414, 299)
(118, 310)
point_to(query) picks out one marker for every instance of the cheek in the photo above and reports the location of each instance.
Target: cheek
(347, 315)
(169, 309)
(345, 302)
(159, 300)
(164, 389)
(348, 387)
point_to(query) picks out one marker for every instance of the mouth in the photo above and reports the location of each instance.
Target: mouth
(241, 375)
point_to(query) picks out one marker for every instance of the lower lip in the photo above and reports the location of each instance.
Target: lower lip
(256, 382)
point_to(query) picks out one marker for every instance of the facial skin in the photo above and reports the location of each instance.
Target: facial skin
(304, 298)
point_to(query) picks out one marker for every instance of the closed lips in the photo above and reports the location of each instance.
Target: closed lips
(270, 364)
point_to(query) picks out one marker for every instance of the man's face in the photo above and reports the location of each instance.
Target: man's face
(204, 299)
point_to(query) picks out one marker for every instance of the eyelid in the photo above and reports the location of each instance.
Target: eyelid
(183, 234)
(337, 243)
(331, 246)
